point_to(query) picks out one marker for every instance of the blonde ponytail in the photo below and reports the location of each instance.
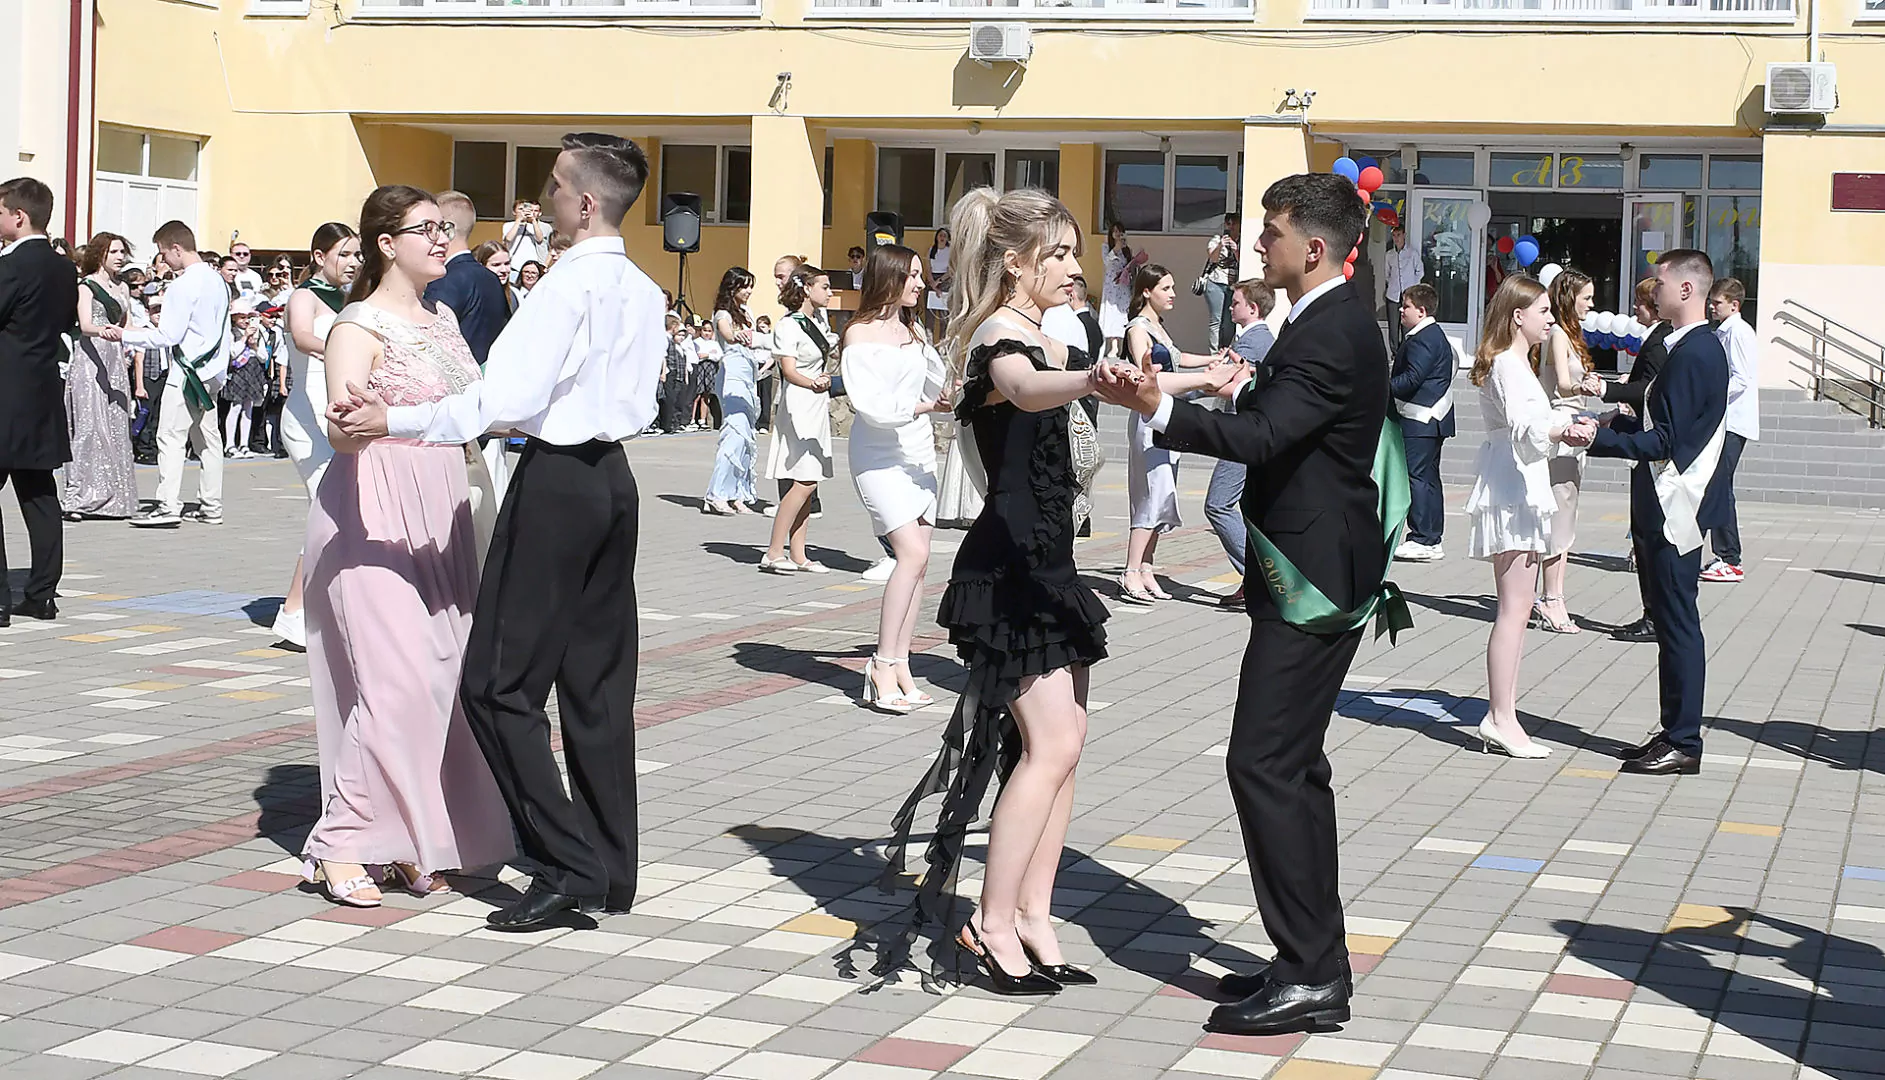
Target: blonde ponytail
(983, 228)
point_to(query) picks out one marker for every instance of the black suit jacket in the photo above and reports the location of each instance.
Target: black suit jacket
(476, 296)
(1649, 361)
(1307, 426)
(39, 302)
(1423, 371)
(1686, 404)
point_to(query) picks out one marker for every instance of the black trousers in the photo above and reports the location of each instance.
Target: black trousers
(144, 440)
(767, 387)
(1279, 782)
(1426, 508)
(1726, 537)
(45, 534)
(556, 607)
(1681, 657)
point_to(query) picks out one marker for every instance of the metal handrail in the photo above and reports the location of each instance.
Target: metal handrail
(1870, 386)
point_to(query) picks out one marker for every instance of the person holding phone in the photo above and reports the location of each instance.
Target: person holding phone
(526, 236)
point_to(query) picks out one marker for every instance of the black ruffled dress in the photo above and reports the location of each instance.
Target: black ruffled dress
(1014, 607)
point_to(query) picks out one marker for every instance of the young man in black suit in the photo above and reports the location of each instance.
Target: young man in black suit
(1629, 390)
(1422, 385)
(39, 300)
(1670, 501)
(1307, 426)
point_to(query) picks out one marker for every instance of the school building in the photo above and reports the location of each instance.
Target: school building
(1608, 129)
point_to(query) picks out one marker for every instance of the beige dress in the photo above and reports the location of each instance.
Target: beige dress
(1567, 462)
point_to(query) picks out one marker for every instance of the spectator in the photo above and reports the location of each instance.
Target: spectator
(526, 237)
(1405, 269)
(856, 256)
(227, 266)
(1744, 422)
(559, 243)
(248, 281)
(495, 257)
(1220, 270)
(527, 277)
(247, 385)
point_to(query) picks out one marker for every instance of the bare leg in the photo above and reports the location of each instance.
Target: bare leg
(1034, 919)
(910, 543)
(1147, 561)
(1138, 542)
(1053, 726)
(292, 602)
(905, 636)
(1554, 586)
(789, 522)
(1514, 573)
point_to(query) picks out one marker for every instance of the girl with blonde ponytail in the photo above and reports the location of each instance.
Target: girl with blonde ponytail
(1015, 609)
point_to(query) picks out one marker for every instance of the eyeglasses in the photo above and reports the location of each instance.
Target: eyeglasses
(431, 230)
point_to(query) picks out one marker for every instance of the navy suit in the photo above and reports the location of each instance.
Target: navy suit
(39, 302)
(1686, 405)
(1422, 374)
(477, 297)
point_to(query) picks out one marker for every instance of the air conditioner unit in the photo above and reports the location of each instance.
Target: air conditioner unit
(1801, 88)
(1009, 41)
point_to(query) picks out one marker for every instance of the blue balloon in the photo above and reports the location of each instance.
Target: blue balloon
(1526, 251)
(1528, 238)
(1346, 167)
(1368, 163)
(1596, 340)
(1633, 342)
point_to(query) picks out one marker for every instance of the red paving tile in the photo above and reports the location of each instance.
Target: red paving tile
(259, 881)
(187, 939)
(1272, 1045)
(1585, 986)
(913, 1054)
(1362, 963)
(76, 875)
(364, 916)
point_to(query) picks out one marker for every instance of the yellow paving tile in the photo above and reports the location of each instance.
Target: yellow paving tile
(153, 628)
(1369, 944)
(249, 695)
(1745, 829)
(106, 597)
(1147, 843)
(152, 685)
(1707, 919)
(1226, 579)
(822, 925)
(1589, 774)
(1300, 1069)
(89, 639)
(265, 653)
(847, 588)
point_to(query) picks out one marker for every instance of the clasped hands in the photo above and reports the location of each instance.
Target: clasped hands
(359, 415)
(1581, 432)
(1137, 387)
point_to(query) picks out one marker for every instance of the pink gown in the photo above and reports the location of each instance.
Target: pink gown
(392, 568)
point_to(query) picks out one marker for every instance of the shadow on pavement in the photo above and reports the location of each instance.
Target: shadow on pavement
(1448, 719)
(1482, 608)
(1851, 575)
(290, 800)
(820, 666)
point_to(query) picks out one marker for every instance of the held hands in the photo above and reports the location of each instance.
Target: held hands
(1592, 383)
(1580, 433)
(111, 333)
(1227, 378)
(360, 415)
(1130, 387)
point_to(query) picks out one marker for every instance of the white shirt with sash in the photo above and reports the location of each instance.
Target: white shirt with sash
(1680, 491)
(194, 322)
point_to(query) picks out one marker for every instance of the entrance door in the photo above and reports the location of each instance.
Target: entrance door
(1652, 224)
(1455, 264)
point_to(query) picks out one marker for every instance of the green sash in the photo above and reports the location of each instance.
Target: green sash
(330, 294)
(194, 391)
(1302, 604)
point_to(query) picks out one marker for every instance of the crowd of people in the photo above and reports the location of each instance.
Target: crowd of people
(444, 591)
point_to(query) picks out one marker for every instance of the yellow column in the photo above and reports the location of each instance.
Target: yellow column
(853, 194)
(1274, 147)
(1080, 192)
(788, 208)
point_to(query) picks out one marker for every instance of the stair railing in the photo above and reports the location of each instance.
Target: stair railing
(1842, 365)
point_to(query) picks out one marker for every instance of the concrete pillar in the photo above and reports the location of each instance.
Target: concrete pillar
(853, 194)
(1274, 147)
(788, 207)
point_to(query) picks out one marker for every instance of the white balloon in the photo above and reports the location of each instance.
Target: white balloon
(1613, 323)
(1637, 329)
(1479, 216)
(1589, 322)
(1550, 271)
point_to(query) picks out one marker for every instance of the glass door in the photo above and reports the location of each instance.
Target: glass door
(1454, 260)
(1652, 224)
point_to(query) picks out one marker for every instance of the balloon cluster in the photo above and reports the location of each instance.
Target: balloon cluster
(1365, 173)
(1610, 330)
(1524, 249)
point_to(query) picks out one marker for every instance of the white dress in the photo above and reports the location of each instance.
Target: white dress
(1511, 506)
(1151, 471)
(801, 425)
(1115, 293)
(303, 432)
(893, 449)
(939, 271)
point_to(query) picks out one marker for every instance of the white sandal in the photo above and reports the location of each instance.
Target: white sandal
(314, 872)
(917, 696)
(897, 704)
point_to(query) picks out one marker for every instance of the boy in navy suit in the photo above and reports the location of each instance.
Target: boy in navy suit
(1422, 384)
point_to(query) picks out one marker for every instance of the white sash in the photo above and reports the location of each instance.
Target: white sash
(1680, 491)
(1427, 414)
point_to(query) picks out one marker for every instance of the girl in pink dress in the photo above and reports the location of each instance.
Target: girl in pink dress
(393, 558)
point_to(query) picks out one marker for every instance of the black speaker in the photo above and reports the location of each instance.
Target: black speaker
(882, 227)
(680, 222)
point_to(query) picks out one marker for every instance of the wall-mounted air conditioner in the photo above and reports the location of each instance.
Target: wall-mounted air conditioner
(1801, 88)
(1008, 41)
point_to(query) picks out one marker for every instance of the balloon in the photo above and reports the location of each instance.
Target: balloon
(1637, 329)
(1346, 167)
(1353, 254)
(1370, 179)
(1504, 245)
(1348, 270)
(1550, 272)
(1589, 322)
(1479, 215)
(1367, 163)
(1530, 237)
(1604, 323)
(1525, 251)
(1633, 342)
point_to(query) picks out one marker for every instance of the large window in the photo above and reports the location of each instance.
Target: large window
(1134, 190)
(923, 184)
(1154, 191)
(143, 180)
(531, 175)
(478, 170)
(721, 175)
(906, 185)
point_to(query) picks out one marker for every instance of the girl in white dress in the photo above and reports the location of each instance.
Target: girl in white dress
(1573, 387)
(1511, 506)
(938, 304)
(800, 454)
(1117, 262)
(895, 382)
(334, 258)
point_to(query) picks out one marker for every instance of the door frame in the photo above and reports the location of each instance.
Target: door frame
(1465, 336)
(1631, 199)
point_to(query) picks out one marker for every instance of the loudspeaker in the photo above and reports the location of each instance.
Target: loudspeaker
(882, 227)
(680, 222)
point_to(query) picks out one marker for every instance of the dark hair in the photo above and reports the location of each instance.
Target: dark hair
(1423, 296)
(1563, 290)
(92, 255)
(935, 242)
(325, 239)
(885, 273)
(1690, 263)
(484, 251)
(858, 252)
(527, 265)
(611, 168)
(797, 284)
(174, 233)
(1145, 278)
(1322, 205)
(30, 195)
(727, 299)
(1259, 295)
(1729, 289)
(381, 215)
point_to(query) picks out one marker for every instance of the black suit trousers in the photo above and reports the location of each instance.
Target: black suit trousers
(1681, 656)
(1279, 781)
(45, 534)
(556, 607)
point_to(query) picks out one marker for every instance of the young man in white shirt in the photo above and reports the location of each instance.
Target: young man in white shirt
(575, 370)
(193, 328)
(1744, 420)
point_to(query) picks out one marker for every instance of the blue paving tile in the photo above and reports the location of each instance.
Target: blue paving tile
(1865, 873)
(1507, 862)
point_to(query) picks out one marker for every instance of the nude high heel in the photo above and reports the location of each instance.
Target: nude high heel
(896, 704)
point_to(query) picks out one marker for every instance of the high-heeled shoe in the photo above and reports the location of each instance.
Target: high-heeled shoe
(1541, 617)
(917, 696)
(874, 698)
(1064, 974)
(1032, 984)
(1151, 584)
(410, 879)
(347, 892)
(1132, 594)
(1489, 737)
(715, 506)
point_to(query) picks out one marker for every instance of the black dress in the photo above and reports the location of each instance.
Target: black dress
(1014, 608)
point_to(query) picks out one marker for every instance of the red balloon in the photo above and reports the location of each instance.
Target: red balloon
(1353, 253)
(1348, 270)
(1371, 179)
(1504, 245)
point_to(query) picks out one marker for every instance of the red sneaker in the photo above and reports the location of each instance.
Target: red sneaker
(1723, 571)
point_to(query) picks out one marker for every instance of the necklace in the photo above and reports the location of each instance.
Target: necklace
(1023, 314)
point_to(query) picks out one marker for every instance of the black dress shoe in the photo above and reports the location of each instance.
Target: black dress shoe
(1664, 760)
(1282, 1007)
(1064, 974)
(6, 617)
(37, 609)
(1643, 629)
(1653, 743)
(537, 906)
(1242, 986)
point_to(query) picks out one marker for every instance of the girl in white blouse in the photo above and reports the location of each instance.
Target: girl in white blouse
(1511, 506)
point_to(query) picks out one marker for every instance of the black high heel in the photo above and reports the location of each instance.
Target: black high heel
(1064, 974)
(1033, 983)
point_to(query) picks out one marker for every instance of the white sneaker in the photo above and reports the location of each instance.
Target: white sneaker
(293, 627)
(880, 570)
(158, 517)
(772, 511)
(1412, 552)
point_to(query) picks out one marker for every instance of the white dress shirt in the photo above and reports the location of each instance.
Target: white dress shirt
(195, 318)
(1062, 323)
(579, 364)
(1163, 414)
(1744, 395)
(1405, 268)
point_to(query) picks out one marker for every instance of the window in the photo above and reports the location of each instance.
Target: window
(963, 173)
(120, 151)
(1134, 190)
(1590, 172)
(1733, 238)
(144, 179)
(906, 185)
(1388, 161)
(530, 176)
(1657, 171)
(478, 170)
(1734, 173)
(738, 171)
(1200, 192)
(830, 156)
(1446, 169)
(1033, 169)
(1158, 191)
(1526, 170)
(691, 169)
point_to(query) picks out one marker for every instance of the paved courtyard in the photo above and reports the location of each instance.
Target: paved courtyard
(1516, 920)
